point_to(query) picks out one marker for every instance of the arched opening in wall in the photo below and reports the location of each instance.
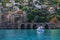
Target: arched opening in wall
(22, 26)
(34, 26)
(16, 19)
(28, 26)
(16, 22)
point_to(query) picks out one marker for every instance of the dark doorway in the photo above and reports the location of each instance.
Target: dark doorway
(28, 26)
(46, 26)
(34, 26)
(22, 26)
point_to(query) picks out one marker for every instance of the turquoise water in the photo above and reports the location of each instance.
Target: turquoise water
(29, 35)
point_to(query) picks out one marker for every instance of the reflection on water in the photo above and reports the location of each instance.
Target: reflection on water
(29, 35)
(45, 35)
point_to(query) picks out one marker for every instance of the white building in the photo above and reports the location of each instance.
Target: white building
(9, 4)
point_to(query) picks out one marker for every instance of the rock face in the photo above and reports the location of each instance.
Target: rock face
(54, 20)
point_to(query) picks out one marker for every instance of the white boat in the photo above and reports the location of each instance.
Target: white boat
(40, 29)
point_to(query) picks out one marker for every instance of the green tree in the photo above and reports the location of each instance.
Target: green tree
(30, 17)
(17, 0)
(4, 3)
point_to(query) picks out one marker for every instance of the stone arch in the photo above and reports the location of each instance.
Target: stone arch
(28, 26)
(34, 26)
(22, 26)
